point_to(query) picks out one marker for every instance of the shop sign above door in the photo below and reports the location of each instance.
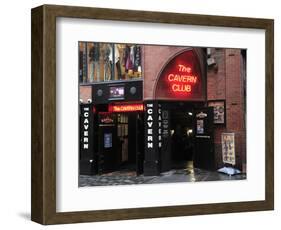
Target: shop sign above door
(181, 78)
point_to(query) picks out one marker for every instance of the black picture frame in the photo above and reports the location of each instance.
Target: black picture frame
(219, 107)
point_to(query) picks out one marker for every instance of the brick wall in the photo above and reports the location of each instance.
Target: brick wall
(154, 59)
(85, 93)
(225, 81)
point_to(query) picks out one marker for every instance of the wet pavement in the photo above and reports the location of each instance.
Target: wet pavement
(172, 176)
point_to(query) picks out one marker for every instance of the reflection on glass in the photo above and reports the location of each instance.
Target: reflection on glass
(93, 62)
(82, 62)
(108, 62)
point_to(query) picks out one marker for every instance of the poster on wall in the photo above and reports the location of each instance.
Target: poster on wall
(228, 148)
(200, 126)
(107, 140)
(219, 111)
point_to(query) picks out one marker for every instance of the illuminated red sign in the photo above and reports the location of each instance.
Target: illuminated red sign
(106, 118)
(181, 78)
(125, 108)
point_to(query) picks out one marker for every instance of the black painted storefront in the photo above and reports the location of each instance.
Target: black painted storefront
(116, 137)
(156, 138)
(167, 145)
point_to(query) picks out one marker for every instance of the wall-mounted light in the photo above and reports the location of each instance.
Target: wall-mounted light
(211, 61)
(189, 132)
(190, 113)
(209, 52)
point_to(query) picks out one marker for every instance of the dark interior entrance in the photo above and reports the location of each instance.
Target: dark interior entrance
(204, 138)
(187, 144)
(182, 135)
(120, 142)
(130, 136)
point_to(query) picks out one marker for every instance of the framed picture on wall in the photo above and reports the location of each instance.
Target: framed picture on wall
(107, 83)
(219, 111)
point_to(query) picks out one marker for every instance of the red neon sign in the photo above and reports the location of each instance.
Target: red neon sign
(125, 108)
(182, 80)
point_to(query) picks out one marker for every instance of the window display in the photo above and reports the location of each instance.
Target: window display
(109, 62)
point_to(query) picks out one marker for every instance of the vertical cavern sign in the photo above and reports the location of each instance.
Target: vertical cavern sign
(153, 137)
(86, 131)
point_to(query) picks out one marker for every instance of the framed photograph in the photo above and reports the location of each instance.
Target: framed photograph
(125, 107)
(219, 111)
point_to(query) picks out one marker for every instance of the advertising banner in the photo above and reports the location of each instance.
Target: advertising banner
(228, 148)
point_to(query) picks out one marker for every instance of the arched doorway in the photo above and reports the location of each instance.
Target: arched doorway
(180, 88)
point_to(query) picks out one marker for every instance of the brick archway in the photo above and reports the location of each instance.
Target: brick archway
(182, 77)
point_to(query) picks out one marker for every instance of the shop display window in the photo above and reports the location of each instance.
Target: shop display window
(99, 62)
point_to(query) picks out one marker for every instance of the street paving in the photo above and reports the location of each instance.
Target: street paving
(172, 176)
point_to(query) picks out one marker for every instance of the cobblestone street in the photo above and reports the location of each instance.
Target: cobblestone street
(172, 176)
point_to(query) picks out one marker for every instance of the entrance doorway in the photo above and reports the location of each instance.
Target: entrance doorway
(120, 143)
(191, 136)
(130, 134)
(204, 157)
(182, 136)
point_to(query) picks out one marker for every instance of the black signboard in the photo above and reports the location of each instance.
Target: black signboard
(106, 92)
(165, 153)
(153, 137)
(87, 162)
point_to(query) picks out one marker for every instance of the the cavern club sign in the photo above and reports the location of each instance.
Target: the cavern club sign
(182, 78)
